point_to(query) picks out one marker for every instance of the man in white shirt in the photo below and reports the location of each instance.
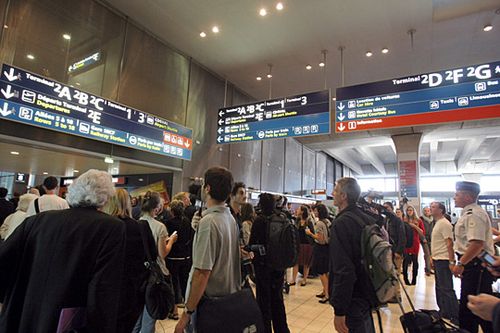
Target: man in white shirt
(443, 259)
(48, 201)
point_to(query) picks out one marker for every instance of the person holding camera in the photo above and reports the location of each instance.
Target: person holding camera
(269, 282)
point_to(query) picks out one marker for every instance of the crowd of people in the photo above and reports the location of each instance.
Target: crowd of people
(86, 254)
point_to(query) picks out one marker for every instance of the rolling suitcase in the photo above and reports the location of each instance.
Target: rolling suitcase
(424, 321)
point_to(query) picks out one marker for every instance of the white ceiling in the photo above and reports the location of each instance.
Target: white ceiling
(448, 34)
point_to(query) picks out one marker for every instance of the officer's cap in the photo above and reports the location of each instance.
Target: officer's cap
(468, 186)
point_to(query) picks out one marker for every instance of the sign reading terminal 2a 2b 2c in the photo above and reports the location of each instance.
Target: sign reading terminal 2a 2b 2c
(299, 115)
(460, 94)
(34, 100)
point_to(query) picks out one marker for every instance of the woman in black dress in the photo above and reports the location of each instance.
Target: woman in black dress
(304, 222)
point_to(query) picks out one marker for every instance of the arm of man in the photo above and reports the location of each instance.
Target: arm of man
(451, 253)
(475, 247)
(198, 286)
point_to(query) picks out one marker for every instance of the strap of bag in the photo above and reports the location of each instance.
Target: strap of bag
(381, 328)
(37, 208)
(145, 240)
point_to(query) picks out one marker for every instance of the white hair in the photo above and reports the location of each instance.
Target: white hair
(24, 201)
(91, 189)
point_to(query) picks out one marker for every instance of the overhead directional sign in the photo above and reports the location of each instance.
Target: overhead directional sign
(460, 94)
(34, 100)
(300, 115)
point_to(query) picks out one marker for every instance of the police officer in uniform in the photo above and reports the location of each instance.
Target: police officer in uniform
(473, 235)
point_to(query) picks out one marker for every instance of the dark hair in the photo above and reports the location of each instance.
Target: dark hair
(41, 189)
(220, 181)
(267, 203)
(388, 203)
(50, 183)
(150, 202)
(441, 206)
(3, 192)
(305, 212)
(322, 211)
(177, 208)
(236, 187)
(247, 212)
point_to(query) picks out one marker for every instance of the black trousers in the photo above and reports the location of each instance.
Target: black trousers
(413, 260)
(269, 287)
(475, 280)
(179, 270)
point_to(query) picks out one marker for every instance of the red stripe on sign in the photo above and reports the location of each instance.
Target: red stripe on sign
(482, 112)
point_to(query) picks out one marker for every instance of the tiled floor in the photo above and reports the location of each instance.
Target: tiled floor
(305, 314)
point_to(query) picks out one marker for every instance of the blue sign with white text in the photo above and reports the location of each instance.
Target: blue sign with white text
(34, 100)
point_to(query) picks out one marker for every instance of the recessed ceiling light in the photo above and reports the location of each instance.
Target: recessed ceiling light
(308, 67)
(76, 171)
(78, 83)
(269, 76)
(322, 64)
(279, 6)
(369, 54)
(334, 98)
(203, 34)
(5, 26)
(30, 57)
(262, 12)
(140, 179)
(45, 173)
(215, 29)
(14, 153)
(109, 160)
(258, 78)
(67, 36)
(385, 50)
(488, 27)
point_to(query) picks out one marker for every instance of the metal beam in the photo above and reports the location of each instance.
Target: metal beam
(370, 155)
(468, 150)
(433, 152)
(344, 157)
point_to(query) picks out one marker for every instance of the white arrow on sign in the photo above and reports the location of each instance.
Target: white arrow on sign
(341, 127)
(221, 122)
(4, 111)
(220, 130)
(341, 117)
(7, 93)
(341, 106)
(10, 75)
(187, 144)
(221, 113)
(219, 139)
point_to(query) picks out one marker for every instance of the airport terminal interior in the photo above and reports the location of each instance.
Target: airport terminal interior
(290, 96)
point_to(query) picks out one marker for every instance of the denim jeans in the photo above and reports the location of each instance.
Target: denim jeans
(445, 295)
(145, 324)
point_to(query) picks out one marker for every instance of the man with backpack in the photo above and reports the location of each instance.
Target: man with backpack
(270, 264)
(351, 290)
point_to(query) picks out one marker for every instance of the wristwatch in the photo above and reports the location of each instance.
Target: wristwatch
(459, 263)
(453, 262)
(189, 312)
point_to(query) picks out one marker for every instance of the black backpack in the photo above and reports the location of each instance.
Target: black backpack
(282, 246)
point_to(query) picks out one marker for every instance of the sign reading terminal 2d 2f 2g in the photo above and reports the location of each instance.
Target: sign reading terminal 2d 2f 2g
(35, 100)
(460, 94)
(299, 115)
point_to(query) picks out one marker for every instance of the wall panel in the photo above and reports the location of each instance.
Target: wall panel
(308, 170)
(293, 166)
(273, 159)
(320, 171)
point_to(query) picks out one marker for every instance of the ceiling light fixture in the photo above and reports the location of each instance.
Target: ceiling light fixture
(67, 36)
(279, 6)
(322, 64)
(385, 50)
(109, 160)
(488, 27)
(203, 34)
(14, 153)
(308, 67)
(369, 53)
(334, 98)
(258, 78)
(262, 12)
(45, 173)
(30, 57)
(269, 75)
(76, 171)
(5, 26)
(215, 29)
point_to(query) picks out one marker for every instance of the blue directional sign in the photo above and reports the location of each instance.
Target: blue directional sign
(460, 94)
(34, 100)
(299, 115)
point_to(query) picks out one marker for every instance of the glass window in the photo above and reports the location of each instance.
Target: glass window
(74, 42)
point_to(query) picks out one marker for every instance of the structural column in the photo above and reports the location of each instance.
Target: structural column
(408, 156)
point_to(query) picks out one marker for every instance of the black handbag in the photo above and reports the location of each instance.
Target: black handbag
(234, 313)
(159, 292)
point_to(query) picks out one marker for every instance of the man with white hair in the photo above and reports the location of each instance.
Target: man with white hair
(64, 263)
